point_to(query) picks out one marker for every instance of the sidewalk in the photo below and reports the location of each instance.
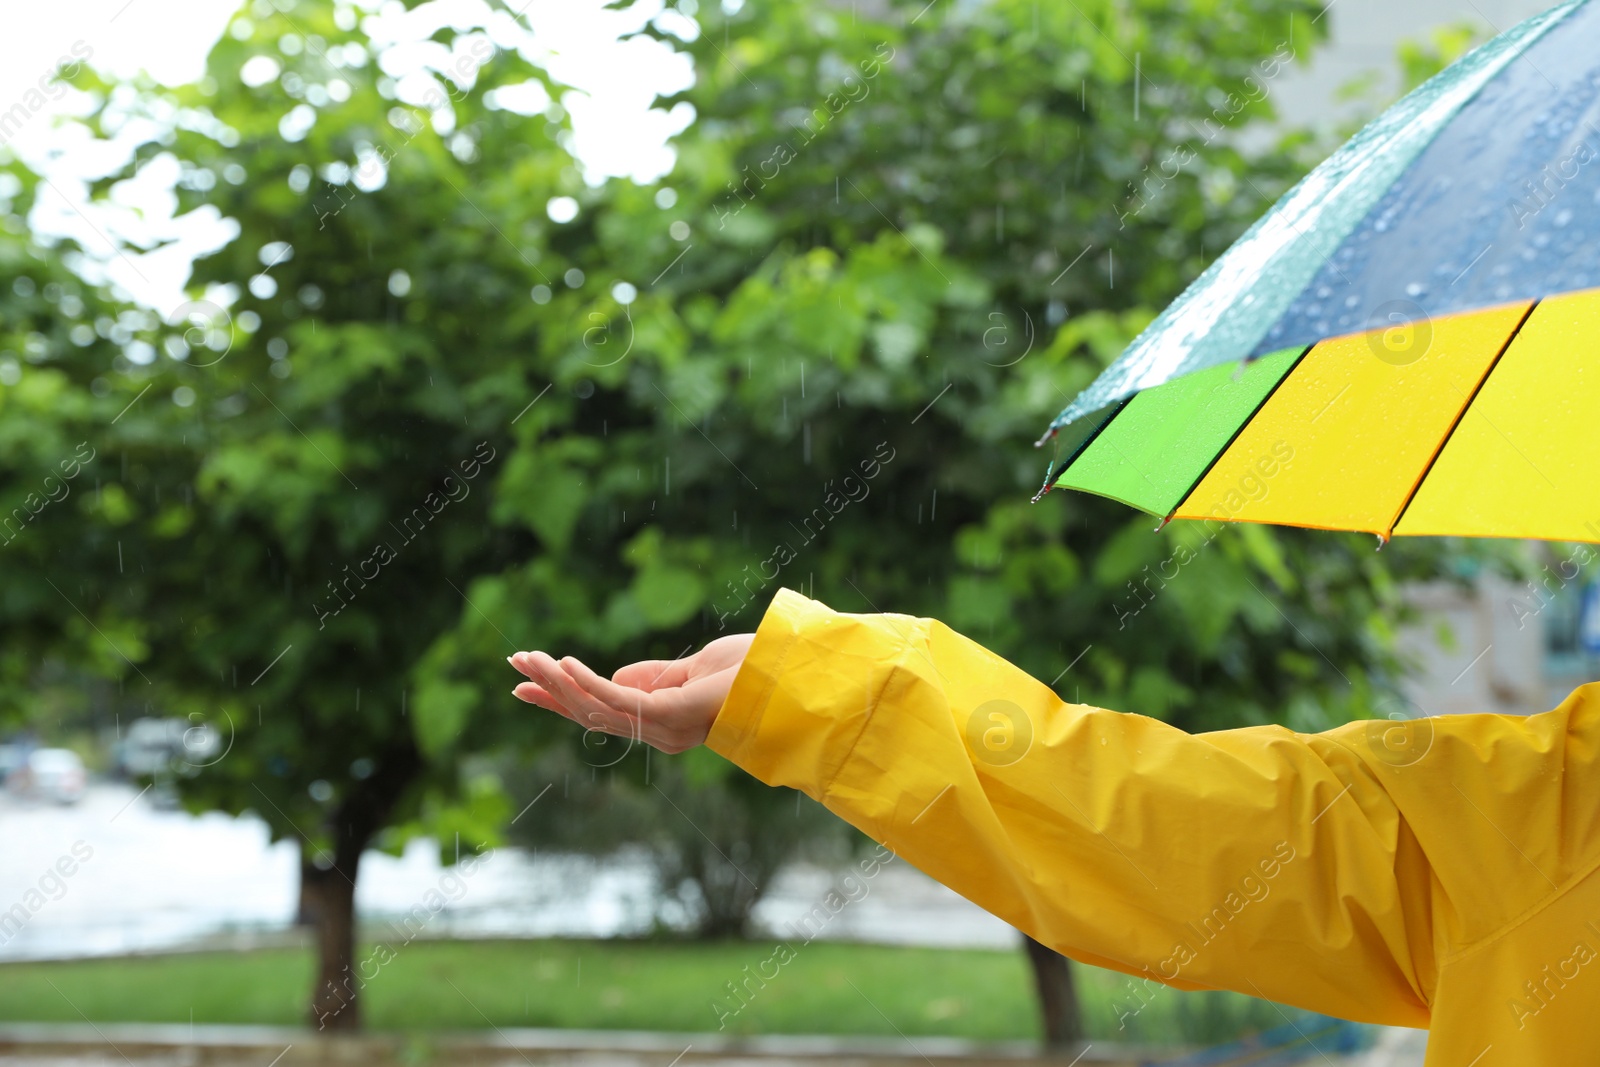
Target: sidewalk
(164, 1045)
(145, 1045)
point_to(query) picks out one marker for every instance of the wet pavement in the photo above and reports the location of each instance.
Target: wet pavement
(239, 1046)
(145, 879)
(260, 1046)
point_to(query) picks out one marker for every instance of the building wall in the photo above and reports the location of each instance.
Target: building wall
(1364, 36)
(1501, 646)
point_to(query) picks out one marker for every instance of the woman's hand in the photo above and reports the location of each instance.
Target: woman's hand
(669, 704)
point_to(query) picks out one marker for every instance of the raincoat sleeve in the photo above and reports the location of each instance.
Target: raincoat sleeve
(1258, 860)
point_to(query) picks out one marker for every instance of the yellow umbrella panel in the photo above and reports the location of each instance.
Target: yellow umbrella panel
(1481, 424)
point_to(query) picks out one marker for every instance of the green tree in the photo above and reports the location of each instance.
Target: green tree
(303, 497)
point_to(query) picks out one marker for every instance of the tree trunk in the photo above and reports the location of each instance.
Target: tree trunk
(305, 913)
(328, 894)
(1058, 998)
(331, 896)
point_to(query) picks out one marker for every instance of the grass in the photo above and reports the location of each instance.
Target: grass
(825, 988)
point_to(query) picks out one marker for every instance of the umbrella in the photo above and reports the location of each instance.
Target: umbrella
(1408, 342)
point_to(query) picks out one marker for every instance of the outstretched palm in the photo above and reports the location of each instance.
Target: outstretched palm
(669, 704)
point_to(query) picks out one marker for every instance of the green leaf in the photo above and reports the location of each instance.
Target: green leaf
(1128, 552)
(548, 497)
(668, 596)
(978, 603)
(439, 714)
(1265, 552)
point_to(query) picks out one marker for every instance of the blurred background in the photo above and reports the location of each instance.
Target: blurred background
(346, 348)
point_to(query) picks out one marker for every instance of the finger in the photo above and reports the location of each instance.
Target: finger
(652, 674)
(534, 693)
(537, 695)
(629, 700)
(588, 710)
(549, 696)
(523, 662)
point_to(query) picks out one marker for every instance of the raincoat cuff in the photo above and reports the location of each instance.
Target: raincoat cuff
(766, 725)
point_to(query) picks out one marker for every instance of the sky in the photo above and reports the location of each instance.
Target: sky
(616, 131)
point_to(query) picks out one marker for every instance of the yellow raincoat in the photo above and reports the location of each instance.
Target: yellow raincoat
(1435, 874)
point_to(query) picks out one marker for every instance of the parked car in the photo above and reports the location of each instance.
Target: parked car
(154, 746)
(53, 774)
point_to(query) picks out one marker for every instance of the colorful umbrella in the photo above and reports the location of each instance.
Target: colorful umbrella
(1407, 343)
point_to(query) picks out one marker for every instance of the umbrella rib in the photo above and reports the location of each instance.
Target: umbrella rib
(1184, 499)
(1052, 478)
(1445, 440)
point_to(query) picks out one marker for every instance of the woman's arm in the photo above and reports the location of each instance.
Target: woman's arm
(1256, 860)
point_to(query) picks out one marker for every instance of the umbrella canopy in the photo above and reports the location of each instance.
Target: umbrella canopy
(1407, 343)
